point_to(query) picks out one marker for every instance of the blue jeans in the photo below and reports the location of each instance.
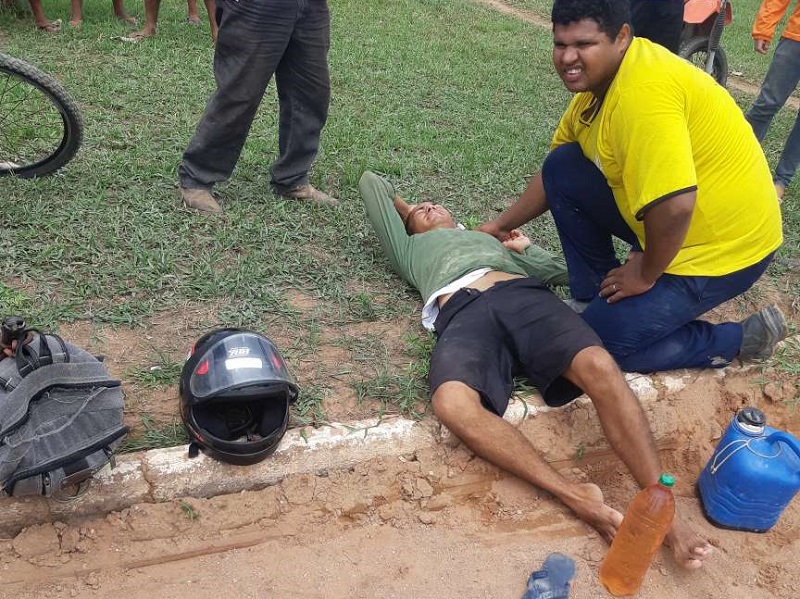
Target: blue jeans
(653, 331)
(779, 83)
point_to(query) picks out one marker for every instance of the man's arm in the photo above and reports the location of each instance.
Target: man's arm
(767, 18)
(382, 205)
(531, 203)
(536, 261)
(666, 225)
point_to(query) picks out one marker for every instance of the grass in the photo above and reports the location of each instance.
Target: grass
(162, 374)
(154, 435)
(454, 101)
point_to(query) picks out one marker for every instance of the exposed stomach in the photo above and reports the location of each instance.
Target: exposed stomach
(482, 284)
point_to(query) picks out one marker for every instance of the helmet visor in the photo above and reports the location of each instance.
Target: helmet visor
(238, 361)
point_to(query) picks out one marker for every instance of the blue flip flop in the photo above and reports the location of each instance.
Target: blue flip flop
(552, 581)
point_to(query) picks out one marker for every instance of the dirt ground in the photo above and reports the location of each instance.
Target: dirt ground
(437, 524)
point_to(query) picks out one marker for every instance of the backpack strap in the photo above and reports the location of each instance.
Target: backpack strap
(14, 408)
(35, 354)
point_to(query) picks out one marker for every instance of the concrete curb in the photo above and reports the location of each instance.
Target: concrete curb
(161, 475)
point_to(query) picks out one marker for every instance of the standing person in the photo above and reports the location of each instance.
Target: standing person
(660, 21)
(779, 83)
(151, 8)
(289, 38)
(652, 151)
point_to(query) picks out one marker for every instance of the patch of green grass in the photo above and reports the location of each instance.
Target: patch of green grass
(454, 101)
(787, 361)
(164, 373)
(154, 436)
(13, 302)
(308, 410)
(189, 510)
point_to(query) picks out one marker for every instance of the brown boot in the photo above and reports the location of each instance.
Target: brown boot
(311, 194)
(200, 199)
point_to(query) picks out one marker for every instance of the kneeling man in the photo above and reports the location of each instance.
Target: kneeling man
(494, 316)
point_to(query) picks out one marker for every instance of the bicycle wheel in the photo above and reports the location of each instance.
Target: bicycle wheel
(695, 51)
(40, 126)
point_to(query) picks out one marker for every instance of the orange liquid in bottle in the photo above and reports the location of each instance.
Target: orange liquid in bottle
(646, 521)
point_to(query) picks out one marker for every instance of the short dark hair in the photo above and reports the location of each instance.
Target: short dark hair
(610, 15)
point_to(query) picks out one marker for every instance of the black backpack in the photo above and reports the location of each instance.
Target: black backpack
(60, 417)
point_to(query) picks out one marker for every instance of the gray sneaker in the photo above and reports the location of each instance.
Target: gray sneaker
(762, 331)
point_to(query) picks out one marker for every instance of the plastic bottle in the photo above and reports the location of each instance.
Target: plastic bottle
(643, 528)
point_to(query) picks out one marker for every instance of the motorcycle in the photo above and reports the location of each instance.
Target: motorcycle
(703, 22)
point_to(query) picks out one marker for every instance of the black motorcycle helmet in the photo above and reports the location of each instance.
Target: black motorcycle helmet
(235, 393)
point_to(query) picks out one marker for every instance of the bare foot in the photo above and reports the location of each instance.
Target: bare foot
(49, 27)
(138, 36)
(780, 190)
(193, 19)
(76, 23)
(587, 503)
(132, 21)
(688, 548)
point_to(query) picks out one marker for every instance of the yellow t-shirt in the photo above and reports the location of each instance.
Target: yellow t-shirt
(664, 128)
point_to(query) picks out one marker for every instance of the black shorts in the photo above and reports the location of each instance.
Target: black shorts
(516, 327)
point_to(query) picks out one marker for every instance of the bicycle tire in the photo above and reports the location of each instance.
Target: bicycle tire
(695, 50)
(68, 140)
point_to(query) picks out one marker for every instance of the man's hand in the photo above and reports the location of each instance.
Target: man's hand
(517, 241)
(761, 46)
(494, 230)
(625, 281)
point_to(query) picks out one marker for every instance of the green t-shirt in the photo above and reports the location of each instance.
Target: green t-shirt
(432, 260)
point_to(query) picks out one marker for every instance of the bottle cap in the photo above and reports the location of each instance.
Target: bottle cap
(751, 420)
(666, 479)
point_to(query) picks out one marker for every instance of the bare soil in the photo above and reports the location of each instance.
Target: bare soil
(440, 523)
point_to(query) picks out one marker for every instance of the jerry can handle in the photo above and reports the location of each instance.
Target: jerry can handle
(786, 438)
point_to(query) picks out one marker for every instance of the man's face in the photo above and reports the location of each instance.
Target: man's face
(585, 57)
(428, 216)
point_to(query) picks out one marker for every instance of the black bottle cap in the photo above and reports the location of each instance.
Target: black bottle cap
(752, 417)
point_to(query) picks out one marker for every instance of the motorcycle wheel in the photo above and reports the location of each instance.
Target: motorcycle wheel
(695, 50)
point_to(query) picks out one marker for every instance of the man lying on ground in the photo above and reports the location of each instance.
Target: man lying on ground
(653, 151)
(494, 317)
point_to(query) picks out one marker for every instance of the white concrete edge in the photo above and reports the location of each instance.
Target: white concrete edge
(168, 474)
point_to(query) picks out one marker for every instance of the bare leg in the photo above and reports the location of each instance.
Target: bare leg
(192, 16)
(211, 8)
(76, 19)
(40, 19)
(627, 430)
(458, 407)
(119, 12)
(150, 22)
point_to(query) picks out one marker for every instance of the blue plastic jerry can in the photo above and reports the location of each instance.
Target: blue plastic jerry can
(752, 476)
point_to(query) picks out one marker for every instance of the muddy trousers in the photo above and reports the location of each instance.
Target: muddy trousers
(656, 330)
(259, 38)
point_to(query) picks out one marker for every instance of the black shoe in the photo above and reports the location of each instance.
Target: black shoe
(762, 332)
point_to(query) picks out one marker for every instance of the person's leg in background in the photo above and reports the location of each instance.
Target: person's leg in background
(304, 92)
(251, 42)
(660, 21)
(780, 81)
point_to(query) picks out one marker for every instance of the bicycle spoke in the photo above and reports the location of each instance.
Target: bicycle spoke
(30, 124)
